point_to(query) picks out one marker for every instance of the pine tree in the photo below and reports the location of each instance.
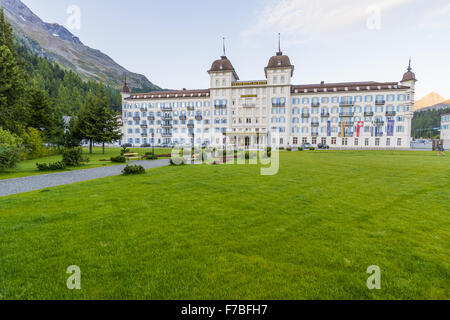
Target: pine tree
(6, 33)
(42, 114)
(87, 121)
(13, 108)
(108, 127)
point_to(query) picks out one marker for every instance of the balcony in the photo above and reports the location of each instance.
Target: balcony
(314, 134)
(144, 126)
(347, 124)
(183, 118)
(305, 115)
(279, 105)
(220, 106)
(379, 134)
(325, 115)
(166, 134)
(368, 114)
(347, 114)
(151, 118)
(347, 103)
(190, 108)
(315, 124)
(391, 113)
(380, 102)
(143, 109)
(166, 125)
(315, 105)
(198, 118)
(167, 118)
(137, 118)
(144, 135)
(166, 109)
(378, 123)
(191, 125)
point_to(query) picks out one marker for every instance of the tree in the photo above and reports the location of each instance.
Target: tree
(109, 128)
(6, 33)
(87, 121)
(13, 108)
(42, 114)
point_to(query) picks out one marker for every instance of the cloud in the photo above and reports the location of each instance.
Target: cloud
(317, 17)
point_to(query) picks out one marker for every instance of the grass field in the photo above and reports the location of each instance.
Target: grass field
(226, 232)
(28, 167)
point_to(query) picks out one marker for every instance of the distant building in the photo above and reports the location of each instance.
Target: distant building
(445, 130)
(245, 113)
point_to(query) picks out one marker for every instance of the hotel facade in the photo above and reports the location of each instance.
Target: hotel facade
(445, 130)
(254, 114)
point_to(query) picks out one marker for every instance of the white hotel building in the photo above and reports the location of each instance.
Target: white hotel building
(445, 130)
(246, 114)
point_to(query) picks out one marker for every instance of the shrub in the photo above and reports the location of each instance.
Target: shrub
(73, 157)
(34, 146)
(281, 148)
(51, 166)
(9, 157)
(133, 170)
(146, 145)
(127, 145)
(300, 149)
(312, 149)
(124, 150)
(289, 149)
(151, 156)
(119, 159)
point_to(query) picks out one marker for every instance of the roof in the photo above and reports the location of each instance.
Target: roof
(125, 89)
(408, 76)
(347, 86)
(279, 61)
(171, 94)
(223, 64)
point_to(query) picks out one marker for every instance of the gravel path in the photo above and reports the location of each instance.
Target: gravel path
(26, 184)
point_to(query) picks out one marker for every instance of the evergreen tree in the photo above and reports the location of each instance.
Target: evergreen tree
(87, 121)
(109, 129)
(6, 33)
(13, 109)
(42, 115)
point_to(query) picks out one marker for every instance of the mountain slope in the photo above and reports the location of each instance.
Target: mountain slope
(57, 43)
(429, 100)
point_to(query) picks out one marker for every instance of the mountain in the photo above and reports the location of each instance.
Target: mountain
(439, 106)
(429, 100)
(55, 42)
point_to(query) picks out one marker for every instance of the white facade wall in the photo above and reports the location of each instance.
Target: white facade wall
(243, 113)
(445, 130)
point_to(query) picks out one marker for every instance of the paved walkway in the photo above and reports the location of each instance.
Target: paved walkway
(26, 184)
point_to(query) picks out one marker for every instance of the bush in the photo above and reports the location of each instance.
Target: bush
(73, 157)
(133, 170)
(151, 156)
(51, 166)
(300, 149)
(289, 149)
(34, 146)
(9, 157)
(119, 159)
(124, 150)
(282, 148)
(312, 149)
(146, 145)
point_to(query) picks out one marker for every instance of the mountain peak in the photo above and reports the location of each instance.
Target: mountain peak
(57, 43)
(429, 100)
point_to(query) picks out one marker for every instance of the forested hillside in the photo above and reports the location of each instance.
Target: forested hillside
(425, 124)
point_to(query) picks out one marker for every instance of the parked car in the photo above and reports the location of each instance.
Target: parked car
(306, 146)
(323, 146)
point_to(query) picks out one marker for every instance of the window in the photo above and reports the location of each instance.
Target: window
(324, 140)
(377, 142)
(399, 142)
(388, 142)
(366, 142)
(295, 141)
(333, 140)
(356, 141)
(314, 140)
(304, 140)
(344, 141)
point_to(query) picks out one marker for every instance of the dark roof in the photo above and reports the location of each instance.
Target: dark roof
(348, 86)
(223, 64)
(408, 76)
(170, 94)
(279, 61)
(125, 89)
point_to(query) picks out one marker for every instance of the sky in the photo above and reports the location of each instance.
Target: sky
(174, 43)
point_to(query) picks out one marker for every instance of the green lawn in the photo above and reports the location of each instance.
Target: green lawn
(28, 167)
(226, 232)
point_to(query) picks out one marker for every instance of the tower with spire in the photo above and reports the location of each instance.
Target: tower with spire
(125, 90)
